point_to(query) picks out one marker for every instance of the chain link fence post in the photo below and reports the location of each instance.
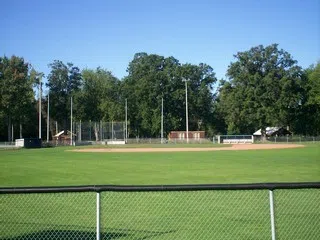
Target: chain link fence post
(273, 229)
(98, 216)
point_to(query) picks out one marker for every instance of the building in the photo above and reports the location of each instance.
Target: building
(274, 132)
(62, 138)
(182, 135)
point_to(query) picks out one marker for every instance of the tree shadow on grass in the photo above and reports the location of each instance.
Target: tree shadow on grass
(68, 235)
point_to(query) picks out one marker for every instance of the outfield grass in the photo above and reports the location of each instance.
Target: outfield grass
(159, 215)
(55, 166)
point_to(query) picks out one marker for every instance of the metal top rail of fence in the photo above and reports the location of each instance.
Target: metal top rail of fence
(161, 188)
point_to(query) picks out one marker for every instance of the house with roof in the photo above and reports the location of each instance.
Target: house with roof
(274, 132)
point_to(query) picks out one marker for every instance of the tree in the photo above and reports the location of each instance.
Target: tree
(264, 89)
(16, 93)
(64, 81)
(99, 98)
(153, 77)
(308, 122)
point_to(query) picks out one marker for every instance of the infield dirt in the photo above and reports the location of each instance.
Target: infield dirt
(235, 147)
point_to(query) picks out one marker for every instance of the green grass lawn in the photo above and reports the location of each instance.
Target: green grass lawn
(55, 167)
(159, 215)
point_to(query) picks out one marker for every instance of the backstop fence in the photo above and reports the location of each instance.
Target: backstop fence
(227, 211)
(99, 131)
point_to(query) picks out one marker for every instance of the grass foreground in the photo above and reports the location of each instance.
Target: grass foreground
(159, 215)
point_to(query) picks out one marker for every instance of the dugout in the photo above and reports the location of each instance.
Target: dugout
(29, 142)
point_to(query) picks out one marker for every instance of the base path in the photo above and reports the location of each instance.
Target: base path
(235, 147)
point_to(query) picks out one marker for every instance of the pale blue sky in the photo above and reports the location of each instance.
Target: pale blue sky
(109, 33)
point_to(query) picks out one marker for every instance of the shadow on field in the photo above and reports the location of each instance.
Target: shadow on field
(75, 235)
(68, 234)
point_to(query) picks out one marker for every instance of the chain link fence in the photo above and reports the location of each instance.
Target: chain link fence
(294, 139)
(239, 211)
(99, 131)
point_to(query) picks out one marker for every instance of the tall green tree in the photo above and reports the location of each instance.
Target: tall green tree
(99, 98)
(265, 88)
(308, 120)
(16, 93)
(153, 77)
(64, 81)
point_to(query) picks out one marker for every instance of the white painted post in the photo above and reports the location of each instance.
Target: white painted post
(273, 229)
(98, 216)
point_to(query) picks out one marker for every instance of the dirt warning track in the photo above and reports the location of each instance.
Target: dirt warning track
(235, 147)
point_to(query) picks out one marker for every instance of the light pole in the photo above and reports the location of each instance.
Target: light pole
(187, 124)
(126, 112)
(48, 117)
(40, 96)
(162, 120)
(71, 138)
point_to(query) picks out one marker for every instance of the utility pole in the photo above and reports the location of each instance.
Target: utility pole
(162, 120)
(187, 123)
(48, 117)
(40, 96)
(71, 138)
(126, 110)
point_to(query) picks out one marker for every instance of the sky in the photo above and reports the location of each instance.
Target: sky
(107, 33)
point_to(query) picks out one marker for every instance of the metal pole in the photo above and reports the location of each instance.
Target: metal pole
(90, 129)
(273, 229)
(48, 118)
(80, 132)
(101, 131)
(112, 130)
(40, 96)
(124, 133)
(56, 127)
(71, 139)
(187, 124)
(20, 131)
(126, 121)
(98, 216)
(12, 133)
(162, 120)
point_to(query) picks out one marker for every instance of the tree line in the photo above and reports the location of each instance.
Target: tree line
(264, 86)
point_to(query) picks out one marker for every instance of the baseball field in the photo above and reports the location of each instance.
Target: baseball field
(160, 215)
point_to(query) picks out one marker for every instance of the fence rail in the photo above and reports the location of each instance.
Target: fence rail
(209, 211)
